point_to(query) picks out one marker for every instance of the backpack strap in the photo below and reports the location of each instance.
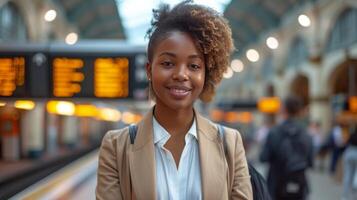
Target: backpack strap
(221, 133)
(132, 132)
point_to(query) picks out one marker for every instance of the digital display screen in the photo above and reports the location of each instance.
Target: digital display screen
(102, 77)
(56, 72)
(12, 75)
(67, 76)
(111, 77)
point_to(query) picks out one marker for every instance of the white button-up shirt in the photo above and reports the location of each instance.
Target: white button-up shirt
(174, 183)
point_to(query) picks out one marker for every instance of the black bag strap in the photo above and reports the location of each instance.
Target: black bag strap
(221, 135)
(132, 132)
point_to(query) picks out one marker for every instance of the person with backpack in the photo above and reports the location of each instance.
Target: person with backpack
(289, 151)
(177, 153)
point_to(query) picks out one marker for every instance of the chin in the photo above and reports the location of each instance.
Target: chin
(175, 104)
(179, 105)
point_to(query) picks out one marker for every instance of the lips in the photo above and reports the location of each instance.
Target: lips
(179, 92)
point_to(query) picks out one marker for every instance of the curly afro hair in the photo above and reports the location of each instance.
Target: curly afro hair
(208, 28)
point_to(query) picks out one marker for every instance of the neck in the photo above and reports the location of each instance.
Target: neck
(176, 122)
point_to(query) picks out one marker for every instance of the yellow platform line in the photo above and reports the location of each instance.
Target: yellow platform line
(57, 183)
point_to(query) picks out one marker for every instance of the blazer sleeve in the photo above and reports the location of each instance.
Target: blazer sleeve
(108, 185)
(242, 188)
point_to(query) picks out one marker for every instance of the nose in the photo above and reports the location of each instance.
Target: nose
(180, 73)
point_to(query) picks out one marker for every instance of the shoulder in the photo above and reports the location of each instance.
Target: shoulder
(232, 136)
(232, 132)
(116, 137)
(116, 134)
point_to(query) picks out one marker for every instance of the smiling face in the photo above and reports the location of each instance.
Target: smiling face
(176, 71)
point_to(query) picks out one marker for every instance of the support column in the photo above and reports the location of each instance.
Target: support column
(52, 133)
(96, 130)
(10, 134)
(320, 109)
(70, 131)
(32, 127)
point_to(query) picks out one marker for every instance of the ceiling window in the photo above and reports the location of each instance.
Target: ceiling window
(12, 25)
(298, 53)
(344, 32)
(268, 68)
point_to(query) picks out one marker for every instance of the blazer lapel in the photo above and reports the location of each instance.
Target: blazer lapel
(212, 160)
(142, 161)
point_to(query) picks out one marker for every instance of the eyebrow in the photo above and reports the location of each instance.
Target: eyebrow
(195, 56)
(168, 54)
(174, 55)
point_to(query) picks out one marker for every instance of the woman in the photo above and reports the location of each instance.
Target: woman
(177, 153)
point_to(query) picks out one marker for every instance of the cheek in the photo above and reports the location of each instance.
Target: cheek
(157, 76)
(201, 80)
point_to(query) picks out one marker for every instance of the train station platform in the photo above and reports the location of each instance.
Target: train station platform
(19, 174)
(78, 181)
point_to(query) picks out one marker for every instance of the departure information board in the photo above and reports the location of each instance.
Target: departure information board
(67, 76)
(102, 77)
(111, 77)
(12, 75)
(73, 72)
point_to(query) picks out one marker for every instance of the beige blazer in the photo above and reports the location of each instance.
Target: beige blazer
(127, 171)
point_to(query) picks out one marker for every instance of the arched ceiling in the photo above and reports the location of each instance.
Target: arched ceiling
(94, 18)
(250, 18)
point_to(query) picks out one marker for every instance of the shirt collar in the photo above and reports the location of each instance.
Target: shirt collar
(160, 134)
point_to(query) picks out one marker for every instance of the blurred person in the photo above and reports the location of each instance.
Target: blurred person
(288, 150)
(337, 143)
(350, 168)
(262, 133)
(315, 131)
(177, 153)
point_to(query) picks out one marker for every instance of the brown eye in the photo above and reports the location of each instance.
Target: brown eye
(195, 66)
(167, 64)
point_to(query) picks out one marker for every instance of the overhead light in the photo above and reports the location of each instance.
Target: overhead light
(109, 114)
(23, 104)
(304, 20)
(352, 101)
(71, 38)
(217, 115)
(50, 15)
(252, 55)
(128, 118)
(228, 74)
(61, 107)
(237, 65)
(269, 104)
(138, 118)
(231, 117)
(86, 110)
(272, 43)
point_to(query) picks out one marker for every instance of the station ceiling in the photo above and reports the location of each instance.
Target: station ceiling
(95, 19)
(250, 18)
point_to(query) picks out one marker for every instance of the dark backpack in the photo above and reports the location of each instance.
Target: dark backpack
(293, 156)
(259, 187)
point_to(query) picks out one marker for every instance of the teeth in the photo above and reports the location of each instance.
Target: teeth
(179, 90)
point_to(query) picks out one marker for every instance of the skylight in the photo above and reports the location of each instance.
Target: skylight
(136, 15)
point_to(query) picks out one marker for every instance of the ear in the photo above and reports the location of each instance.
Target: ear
(148, 70)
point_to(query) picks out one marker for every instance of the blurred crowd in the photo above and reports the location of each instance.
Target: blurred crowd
(333, 152)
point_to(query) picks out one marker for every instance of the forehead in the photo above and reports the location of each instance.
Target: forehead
(177, 42)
